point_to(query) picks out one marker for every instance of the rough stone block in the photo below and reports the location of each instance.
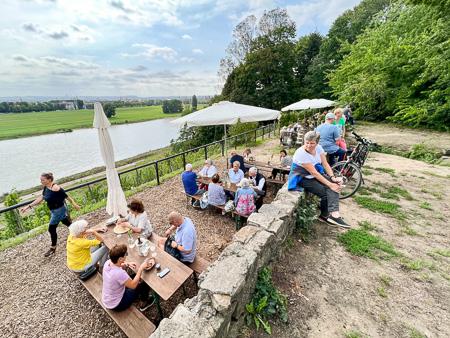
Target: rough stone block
(288, 207)
(272, 210)
(278, 227)
(220, 302)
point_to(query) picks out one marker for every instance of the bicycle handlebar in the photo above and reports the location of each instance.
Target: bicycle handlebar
(364, 140)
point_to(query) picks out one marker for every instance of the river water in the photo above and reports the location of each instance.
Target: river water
(24, 160)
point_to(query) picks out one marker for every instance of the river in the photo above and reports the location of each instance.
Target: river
(25, 159)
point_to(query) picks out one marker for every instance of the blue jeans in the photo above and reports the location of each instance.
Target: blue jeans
(58, 215)
(340, 152)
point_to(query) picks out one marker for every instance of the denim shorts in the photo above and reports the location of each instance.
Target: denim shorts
(58, 215)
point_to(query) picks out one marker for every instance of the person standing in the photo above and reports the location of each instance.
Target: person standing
(339, 122)
(329, 135)
(235, 157)
(348, 115)
(55, 196)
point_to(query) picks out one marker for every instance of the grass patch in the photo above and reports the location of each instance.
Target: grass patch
(389, 195)
(420, 264)
(385, 279)
(376, 205)
(401, 192)
(426, 205)
(369, 226)
(410, 232)
(362, 243)
(383, 318)
(366, 172)
(435, 194)
(364, 191)
(381, 291)
(415, 333)
(435, 175)
(424, 277)
(440, 217)
(385, 170)
(445, 253)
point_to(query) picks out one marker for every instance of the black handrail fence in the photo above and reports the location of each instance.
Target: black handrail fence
(97, 189)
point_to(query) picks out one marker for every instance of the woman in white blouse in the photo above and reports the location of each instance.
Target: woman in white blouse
(208, 170)
(137, 219)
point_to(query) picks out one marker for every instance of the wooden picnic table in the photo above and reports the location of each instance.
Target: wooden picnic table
(207, 180)
(162, 287)
(283, 170)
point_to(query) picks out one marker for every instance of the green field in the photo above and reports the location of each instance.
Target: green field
(29, 124)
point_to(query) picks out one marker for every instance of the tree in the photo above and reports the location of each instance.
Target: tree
(398, 69)
(172, 106)
(80, 104)
(194, 103)
(109, 109)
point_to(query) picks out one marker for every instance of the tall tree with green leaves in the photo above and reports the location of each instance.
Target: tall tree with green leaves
(194, 103)
(399, 68)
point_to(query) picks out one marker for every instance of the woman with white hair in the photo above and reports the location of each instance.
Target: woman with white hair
(83, 253)
(208, 170)
(245, 197)
(309, 165)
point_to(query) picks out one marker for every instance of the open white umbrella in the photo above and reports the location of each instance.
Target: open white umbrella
(116, 203)
(309, 104)
(226, 112)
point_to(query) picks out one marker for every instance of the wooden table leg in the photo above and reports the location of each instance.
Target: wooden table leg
(158, 305)
(237, 222)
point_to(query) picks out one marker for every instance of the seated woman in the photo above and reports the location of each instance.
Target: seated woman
(309, 163)
(81, 252)
(208, 170)
(244, 199)
(216, 194)
(119, 290)
(247, 155)
(137, 219)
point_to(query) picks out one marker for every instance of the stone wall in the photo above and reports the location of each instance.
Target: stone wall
(228, 284)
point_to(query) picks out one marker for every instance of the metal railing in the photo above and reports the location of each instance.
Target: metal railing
(156, 170)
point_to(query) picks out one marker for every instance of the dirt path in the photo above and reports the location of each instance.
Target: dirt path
(341, 292)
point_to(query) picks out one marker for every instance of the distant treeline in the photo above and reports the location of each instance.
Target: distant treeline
(388, 59)
(25, 107)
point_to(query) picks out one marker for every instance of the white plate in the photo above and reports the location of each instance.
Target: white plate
(112, 220)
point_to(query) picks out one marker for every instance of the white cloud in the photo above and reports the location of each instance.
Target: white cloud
(187, 60)
(153, 51)
(187, 37)
(52, 61)
(197, 51)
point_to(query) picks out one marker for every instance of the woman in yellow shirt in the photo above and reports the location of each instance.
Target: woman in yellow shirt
(83, 253)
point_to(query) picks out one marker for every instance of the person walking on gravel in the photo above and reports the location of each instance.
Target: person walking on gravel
(55, 196)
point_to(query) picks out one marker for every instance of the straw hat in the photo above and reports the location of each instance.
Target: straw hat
(118, 229)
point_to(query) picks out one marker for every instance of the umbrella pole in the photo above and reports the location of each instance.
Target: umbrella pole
(226, 145)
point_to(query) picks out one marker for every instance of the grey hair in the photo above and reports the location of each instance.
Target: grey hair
(253, 170)
(78, 227)
(244, 183)
(233, 152)
(312, 136)
(208, 161)
(188, 167)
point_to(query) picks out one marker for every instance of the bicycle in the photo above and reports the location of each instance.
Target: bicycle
(350, 169)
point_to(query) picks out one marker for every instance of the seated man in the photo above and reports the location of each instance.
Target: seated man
(236, 175)
(185, 237)
(239, 158)
(258, 182)
(190, 185)
(329, 135)
(348, 115)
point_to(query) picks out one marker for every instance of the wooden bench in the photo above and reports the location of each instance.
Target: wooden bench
(195, 197)
(198, 265)
(237, 215)
(276, 183)
(132, 321)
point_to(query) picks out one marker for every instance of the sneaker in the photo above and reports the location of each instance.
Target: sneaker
(339, 221)
(326, 220)
(150, 302)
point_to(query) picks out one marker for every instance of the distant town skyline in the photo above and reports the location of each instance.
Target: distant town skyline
(146, 48)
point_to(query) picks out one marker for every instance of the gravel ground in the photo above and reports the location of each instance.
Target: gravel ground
(42, 298)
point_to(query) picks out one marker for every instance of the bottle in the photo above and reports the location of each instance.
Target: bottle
(139, 240)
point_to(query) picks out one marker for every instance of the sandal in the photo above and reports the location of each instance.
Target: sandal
(50, 252)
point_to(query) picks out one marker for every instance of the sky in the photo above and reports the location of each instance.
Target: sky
(131, 47)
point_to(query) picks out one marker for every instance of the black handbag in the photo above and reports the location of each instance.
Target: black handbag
(175, 253)
(87, 273)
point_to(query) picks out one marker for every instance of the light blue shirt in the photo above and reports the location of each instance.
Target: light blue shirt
(235, 177)
(328, 134)
(216, 195)
(186, 236)
(244, 191)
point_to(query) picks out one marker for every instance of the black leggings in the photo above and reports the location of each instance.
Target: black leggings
(52, 230)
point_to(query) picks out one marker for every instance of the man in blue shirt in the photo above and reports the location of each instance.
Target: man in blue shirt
(185, 237)
(235, 174)
(235, 157)
(329, 135)
(190, 185)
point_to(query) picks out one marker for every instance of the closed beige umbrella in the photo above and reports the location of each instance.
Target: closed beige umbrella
(116, 203)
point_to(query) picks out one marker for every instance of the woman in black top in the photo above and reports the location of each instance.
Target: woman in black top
(54, 195)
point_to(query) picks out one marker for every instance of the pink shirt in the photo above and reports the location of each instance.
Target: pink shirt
(114, 279)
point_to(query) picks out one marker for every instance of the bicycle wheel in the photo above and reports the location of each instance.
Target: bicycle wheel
(351, 177)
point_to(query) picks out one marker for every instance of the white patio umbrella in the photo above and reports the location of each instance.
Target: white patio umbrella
(116, 203)
(226, 112)
(309, 104)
